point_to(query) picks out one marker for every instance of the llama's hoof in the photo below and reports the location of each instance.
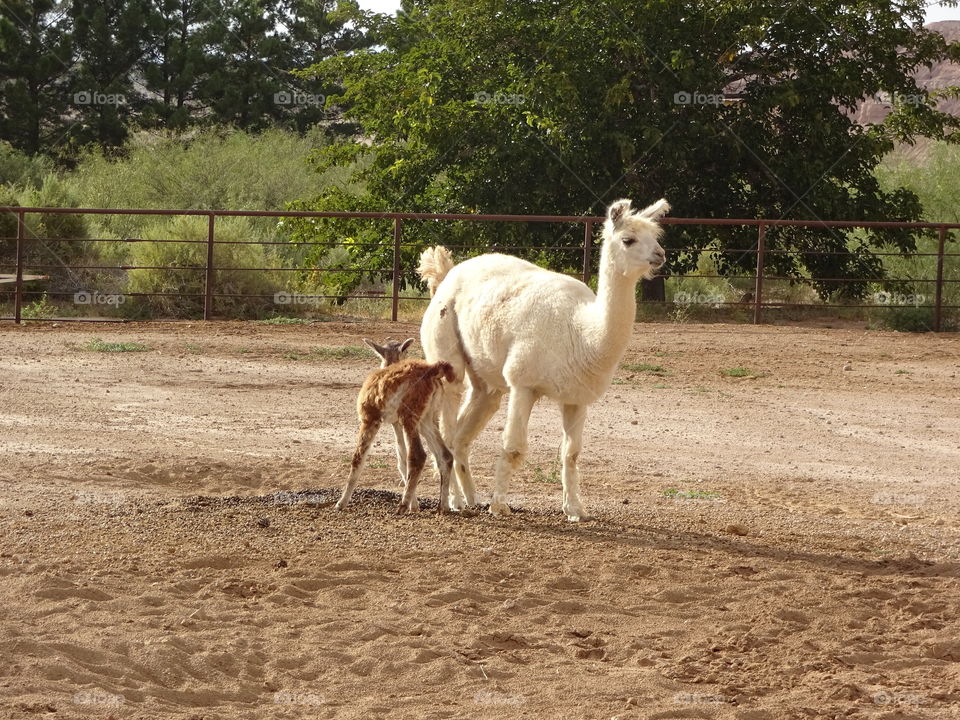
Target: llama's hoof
(340, 506)
(578, 516)
(500, 509)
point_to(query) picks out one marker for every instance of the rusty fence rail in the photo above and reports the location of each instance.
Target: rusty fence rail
(589, 223)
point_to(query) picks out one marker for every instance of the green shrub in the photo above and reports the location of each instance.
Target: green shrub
(210, 170)
(39, 309)
(903, 318)
(17, 168)
(185, 252)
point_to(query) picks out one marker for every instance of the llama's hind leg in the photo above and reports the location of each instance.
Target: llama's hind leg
(573, 419)
(368, 431)
(416, 457)
(514, 446)
(480, 407)
(450, 398)
(444, 458)
(401, 453)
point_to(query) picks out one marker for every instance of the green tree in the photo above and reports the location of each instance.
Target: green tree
(176, 62)
(110, 37)
(259, 45)
(729, 109)
(36, 57)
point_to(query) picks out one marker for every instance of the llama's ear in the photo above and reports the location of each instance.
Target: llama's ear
(406, 344)
(373, 346)
(656, 211)
(618, 211)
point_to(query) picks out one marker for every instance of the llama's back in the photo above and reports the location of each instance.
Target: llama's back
(501, 313)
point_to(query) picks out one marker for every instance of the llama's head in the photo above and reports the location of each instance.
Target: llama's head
(631, 238)
(391, 351)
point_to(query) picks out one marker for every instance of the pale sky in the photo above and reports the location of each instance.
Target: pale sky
(935, 12)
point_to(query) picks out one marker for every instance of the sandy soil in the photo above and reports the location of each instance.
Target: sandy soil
(782, 545)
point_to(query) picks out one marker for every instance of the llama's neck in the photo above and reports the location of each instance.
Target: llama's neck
(612, 315)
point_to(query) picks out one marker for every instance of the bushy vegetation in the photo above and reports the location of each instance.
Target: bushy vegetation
(180, 243)
(935, 178)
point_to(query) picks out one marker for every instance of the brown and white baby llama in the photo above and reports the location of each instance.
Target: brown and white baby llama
(407, 394)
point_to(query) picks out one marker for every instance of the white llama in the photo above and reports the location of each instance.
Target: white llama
(512, 327)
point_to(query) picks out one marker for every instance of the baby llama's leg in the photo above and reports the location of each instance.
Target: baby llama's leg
(416, 457)
(401, 453)
(431, 433)
(368, 431)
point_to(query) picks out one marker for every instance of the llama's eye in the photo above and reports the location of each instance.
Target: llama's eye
(629, 241)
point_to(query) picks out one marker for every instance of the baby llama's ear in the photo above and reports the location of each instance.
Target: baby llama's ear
(656, 211)
(373, 346)
(406, 344)
(618, 211)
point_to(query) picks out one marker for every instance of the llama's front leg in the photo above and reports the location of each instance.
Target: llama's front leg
(416, 457)
(368, 431)
(514, 447)
(573, 419)
(401, 453)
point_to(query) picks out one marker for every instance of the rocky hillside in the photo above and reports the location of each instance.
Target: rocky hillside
(939, 76)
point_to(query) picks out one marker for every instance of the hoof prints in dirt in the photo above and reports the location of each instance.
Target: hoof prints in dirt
(320, 498)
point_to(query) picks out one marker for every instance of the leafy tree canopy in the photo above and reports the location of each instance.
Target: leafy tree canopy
(734, 108)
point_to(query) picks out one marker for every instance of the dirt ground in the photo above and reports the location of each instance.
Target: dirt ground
(784, 544)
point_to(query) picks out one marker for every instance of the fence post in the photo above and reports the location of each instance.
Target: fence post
(208, 279)
(938, 303)
(18, 294)
(758, 289)
(397, 230)
(587, 247)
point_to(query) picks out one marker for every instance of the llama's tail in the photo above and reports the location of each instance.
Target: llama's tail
(435, 263)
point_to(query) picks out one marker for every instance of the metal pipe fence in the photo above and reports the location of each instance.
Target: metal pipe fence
(757, 300)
